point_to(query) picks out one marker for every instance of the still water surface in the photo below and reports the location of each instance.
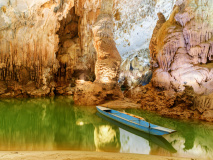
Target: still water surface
(57, 124)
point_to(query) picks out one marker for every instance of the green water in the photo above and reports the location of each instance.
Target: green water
(57, 124)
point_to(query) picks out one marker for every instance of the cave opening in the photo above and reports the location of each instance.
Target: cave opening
(68, 44)
(72, 60)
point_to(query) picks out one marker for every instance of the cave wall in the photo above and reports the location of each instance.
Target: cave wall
(134, 22)
(45, 46)
(76, 55)
(181, 47)
(28, 42)
(107, 66)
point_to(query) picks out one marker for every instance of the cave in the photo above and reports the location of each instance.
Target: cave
(59, 59)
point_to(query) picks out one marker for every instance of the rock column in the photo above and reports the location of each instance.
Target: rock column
(107, 66)
(108, 58)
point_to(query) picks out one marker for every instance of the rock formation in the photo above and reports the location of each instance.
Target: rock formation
(136, 70)
(134, 22)
(28, 44)
(93, 93)
(53, 47)
(180, 51)
(181, 105)
(76, 54)
(46, 46)
(181, 48)
(108, 59)
(107, 65)
(57, 47)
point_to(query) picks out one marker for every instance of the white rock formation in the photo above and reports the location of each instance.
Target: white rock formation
(183, 49)
(134, 25)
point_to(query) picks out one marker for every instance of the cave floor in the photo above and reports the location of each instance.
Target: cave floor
(79, 155)
(122, 104)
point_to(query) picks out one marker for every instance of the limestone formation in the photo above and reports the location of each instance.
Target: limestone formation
(153, 42)
(181, 48)
(88, 93)
(134, 22)
(108, 59)
(45, 46)
(181, 105)
(135, 70)
(107, 65)
(28, 43)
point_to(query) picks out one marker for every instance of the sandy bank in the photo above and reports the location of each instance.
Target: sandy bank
(122, 104)
(78, 155)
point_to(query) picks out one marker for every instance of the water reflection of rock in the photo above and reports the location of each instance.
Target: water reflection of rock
(53, 124)
(192, 140)
(42, 124)
(56, 124)
(197, 144)
(131, 143)
(157, 150)
(107, 138)
(18, 125)
(134, 141)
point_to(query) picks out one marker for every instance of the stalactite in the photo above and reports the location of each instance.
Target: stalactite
(188, 35)
(29, 43)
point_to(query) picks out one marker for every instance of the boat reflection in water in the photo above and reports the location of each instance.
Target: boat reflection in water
(158, 140)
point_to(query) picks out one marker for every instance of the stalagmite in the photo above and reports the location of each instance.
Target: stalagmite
(108, 58)
(107, 65)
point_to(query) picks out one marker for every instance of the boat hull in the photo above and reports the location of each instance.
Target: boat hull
(158, 140)
(142, 126)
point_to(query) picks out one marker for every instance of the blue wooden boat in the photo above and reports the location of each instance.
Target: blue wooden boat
(133, 121)
(153, 139)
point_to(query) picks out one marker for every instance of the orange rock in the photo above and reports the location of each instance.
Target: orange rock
(108, 58)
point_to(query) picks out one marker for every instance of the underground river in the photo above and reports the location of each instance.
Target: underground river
(57, 124)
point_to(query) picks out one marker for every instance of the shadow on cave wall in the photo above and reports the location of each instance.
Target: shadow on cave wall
(71, 59)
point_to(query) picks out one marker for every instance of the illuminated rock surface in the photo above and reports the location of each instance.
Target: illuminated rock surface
(107, 65)
(108, 58)
(28, 45)
(134, 25)
(88, 93)
(181, 48)
(46, 46)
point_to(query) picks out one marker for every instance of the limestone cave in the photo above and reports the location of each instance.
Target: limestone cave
(59, 59)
